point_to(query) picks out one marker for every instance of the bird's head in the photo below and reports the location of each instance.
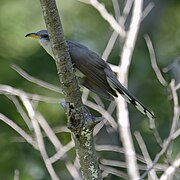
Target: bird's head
(42, 34)
(43, 38)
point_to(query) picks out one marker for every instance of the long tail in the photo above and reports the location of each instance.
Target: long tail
(114, 83)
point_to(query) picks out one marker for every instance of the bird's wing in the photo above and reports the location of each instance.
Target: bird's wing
(100, 78)
(92, 66)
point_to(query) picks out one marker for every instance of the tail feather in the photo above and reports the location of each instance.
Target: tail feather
(115, 84)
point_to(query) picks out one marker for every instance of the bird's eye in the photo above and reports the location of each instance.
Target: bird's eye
(45, 35)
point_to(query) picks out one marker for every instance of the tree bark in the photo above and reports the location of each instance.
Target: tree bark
(80, 121)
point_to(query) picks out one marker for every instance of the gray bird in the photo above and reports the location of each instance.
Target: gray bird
(98, 77)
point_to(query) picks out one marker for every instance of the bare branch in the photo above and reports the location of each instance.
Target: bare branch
(177, 86)
(123, 119)
(153, 61)
(47, 129)
(20, 131)
(163, 150)
(110, 170)
(106, 16)
(103, 112)
(62, 151)
(172, 131)
(8, 90)
(117, 149)
(171, 170)
(171, 65)
(60, 129)
(114, 68)
(122, 20)
(21, 111)
(97, 100)
(130, 41)
(116, 9)
(147, 10)
(115, 163)
(176, 112)
(16, 174)
(126, 11)
(155, 132)
(146, 155)
(176, 133)
(35, 80)
(161, 80)
(98, 127)
(40, 141)
(73, 171)
(112, 107)
(110, 45)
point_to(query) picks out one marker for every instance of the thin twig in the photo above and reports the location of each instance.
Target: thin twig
(111, 107)
(123, 120)
(85, 94)
(110, 45)
(61, 129)
(40, 141)
(176, 133)
(21, 111)
(103, 112)
(116, 9)
(62, 151)
(118, 150)
(130, 41)
(147, 10)
(146, 155)
(19, 130)
(98, 127)
(121, 20)
(9, 90)
(171, 170)
(34, 80)
(172, 65)
(109, 170)
(115, 163)
(126, 11)
(115, 68)
(177, 86)
(163, 150)
(172, 131)
(106, 16)
(155, 132)
(97, 100)
(49, 132)
(16, 174)
(161, 80)
(154, 61)
(176, 112)
(73, 171)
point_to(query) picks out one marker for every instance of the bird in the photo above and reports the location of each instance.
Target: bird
(96, 74)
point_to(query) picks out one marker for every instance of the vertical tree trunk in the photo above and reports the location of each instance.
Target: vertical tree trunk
(80, 121)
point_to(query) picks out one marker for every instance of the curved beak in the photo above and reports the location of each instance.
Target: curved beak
(33, 35)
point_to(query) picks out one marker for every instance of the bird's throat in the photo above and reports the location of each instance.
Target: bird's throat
(47, 46)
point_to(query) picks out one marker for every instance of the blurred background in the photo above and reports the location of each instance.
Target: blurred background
(82, 23)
